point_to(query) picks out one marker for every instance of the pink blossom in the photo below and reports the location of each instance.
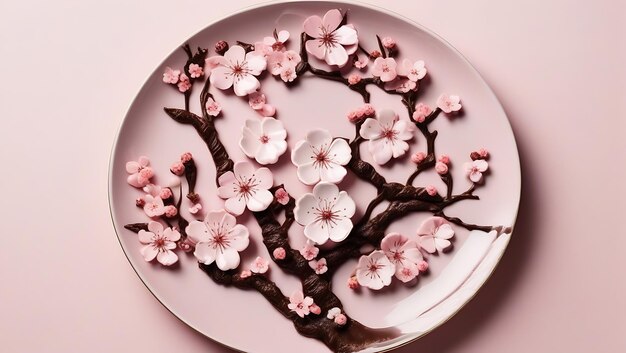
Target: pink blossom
(177, 168)
(375, 270)
(154, 206)
(449, 103)
(246, 187)
(435, 234)
(319, 266)
(401, 85)
(354, 118)
(331, 42)
(159, 243)
(170, 211)
(332, 313)
(171, 76)
(281, 196)
(238, 69)
(422, 266)
(139, 202)
(418, 157)
(165, 193)
(276, 62)
(259, 265)
(196, 208)
(387, 135)
(262, 49)
(431, 190)
(385, 68)
(184, 84)
(245, 274)
(483, 153)
(354, 79)
(185, 245)
(353, 283)
(444, 158)
(368, 110)
(300, 304)
(277, 42)
(195, 70)
(186, 157)
(309, 251)
(315, 309)
(268, 110)
(361, 63)
(288, 74)
(256, 100)
(153, 189)
(212, 62)
(292, 58)
(475, 169)
(388, 42)
(404, 254)
(414, 71)
(341, 319)
(213, 108)
(140, 172)
(421, 112)
(279, 253)
(441, 168)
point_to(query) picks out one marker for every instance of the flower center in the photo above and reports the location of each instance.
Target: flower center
(327, 215)
(374, 267)
(386, 68)
(277, 46)
(159, 243)
(244, 188)
(264, 139)
(328, 38)
(389, 134)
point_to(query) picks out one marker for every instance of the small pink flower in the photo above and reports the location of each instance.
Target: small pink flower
(154, 206)
(444, 158)
(431, 190)
(184, 84)
(177, 168)
(421, 112)
(213, 108)
(238, 69)
(319, 266)
(195, 70)
(185, 245)
(139, 202)
(476, 169)
(315, 309)
(361, 63)
(353, 283)
(246, 187)
(483, 153)
(165, 193)
(404, 254)
(281, 196)
(288, 74)
(300, 304)
(245, 274)
(196, 208)
(332, 42)
(387, 135)
(332, 313)
(449, 103)
(279, 253)
(375, 54)
(309, 251)
(140, 172)
(170, 211)
(418, 157)
(354, 117)
(414, 71)
(256, 100)
(422, 266)
(434, 235)
(401, 85)
(186, 157)
(171, 76)
(368, 110)
(441, 168)
(159, 243)
(292, 58)
(341, 319)
(385, 68)
(375, 270)
(268, 110)
(277, 42)
(354, 79)
(259, 265)
(388, 42)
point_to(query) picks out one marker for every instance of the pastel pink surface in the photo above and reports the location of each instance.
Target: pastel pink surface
(72, 290)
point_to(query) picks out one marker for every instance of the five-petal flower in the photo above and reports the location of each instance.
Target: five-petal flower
(319, 157)
(218, 239)
(263, 140)
(404, 254)
(325, 213)
(375, 270)
(300, 304)
(387, 135)
(238, 68)
(331, 42)
(159, 243)
(246, 187)
(140, 172)
(435, 234)
(475, 169)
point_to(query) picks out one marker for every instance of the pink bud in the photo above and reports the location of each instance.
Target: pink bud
(418, 157)
(375, 54)
(444, 159)
(368, 110)
(186, 157)
(354, 79)
(341, 319)
(221, 47)
(422, 266)
(166, 193)
(140, 202)
(267, 110)
(245, 274)
(185, 246)
(431, 190)
(388, 42)
(353, 283)
(170, 211)
(483, 153)
(354, 118)
(315, 309)
(441, 168)
(177, 168)
(279, 253)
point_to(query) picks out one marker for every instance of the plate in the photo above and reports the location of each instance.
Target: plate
(399, 313)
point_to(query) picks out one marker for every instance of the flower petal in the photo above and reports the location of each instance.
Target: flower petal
(243, 170)
(197, 231)
(221, 77)
(171, 234)
(317, 232)
(404, 129)
(235, 54)
(249, 142)
(228, 259)
(149, 252)
(332, 173)
(264, 178)
(132, 167)
(346, 35)
(427, 243)
(319, 137)
(155, 227)
(167, 257)
(340, 230)
(260, 200)
(399, 148)
(302, 153)
(444, 231)
(256, 63)
(332, 19)
(476, 177)
(370, 129)
(442, 244)
(313, 26)
(227, 187)
(381, 150)
(145, 237)
(336, 55)
(235, 205)
(254, 126)
(273, 128)
(326, 191)
(481, 164)
(387, 118)
(205, 253)
(267, 154)
(303, 212)
(308, 174)
(246, 85)
(340, 151)
(239, 237)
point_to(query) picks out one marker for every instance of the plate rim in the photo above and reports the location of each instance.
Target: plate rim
(370, 6)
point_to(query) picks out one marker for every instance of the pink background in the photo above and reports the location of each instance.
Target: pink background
(66, 286)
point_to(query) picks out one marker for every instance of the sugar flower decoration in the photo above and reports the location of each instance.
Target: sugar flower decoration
(375, 271)
(309, 251)
(414, 71)
(435, 234)
(282, 197)
(263, 140)
(319, 157)
(159, 243)
(387, 135)
(140, 172)
(449, 103)
(184, 84)
(246, 187)
(421, 112)
(404, 254)
(256, 100)
(401, 85)
(475, 169)
(385, 69)
(195, 70)
(319, 266)
(300, 304)
(331, 42)
(153, 206)
(325, 213)
(277, 42)
(212, 107)
(218, 239)
(332, 313)
(238, 69)
(259, 265)
(171, 76)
